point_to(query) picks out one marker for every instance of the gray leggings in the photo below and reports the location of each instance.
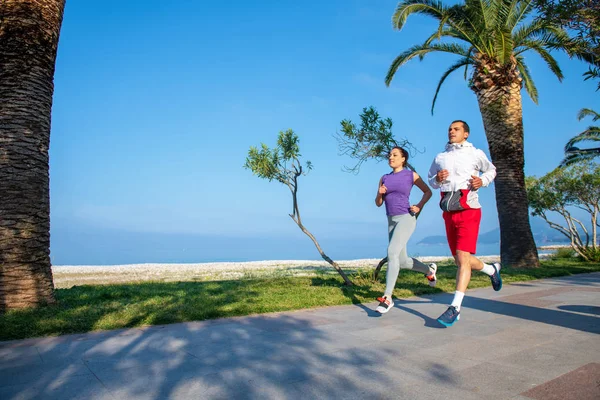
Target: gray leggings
(400, 227)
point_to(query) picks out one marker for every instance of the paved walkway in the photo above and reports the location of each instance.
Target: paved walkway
(534, 340)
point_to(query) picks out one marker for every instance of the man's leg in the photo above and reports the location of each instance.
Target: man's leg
(465, 231)
(462, 229)
(491, 270)
(452, 314)
(466, 263)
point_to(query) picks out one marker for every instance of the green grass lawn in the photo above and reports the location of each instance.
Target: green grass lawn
(98, 307)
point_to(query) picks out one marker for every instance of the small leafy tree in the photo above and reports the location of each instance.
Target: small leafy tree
(282, 164)
(591, 134)
(564, 190)
(372, 140)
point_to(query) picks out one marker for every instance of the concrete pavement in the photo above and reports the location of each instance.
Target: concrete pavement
(533, 340)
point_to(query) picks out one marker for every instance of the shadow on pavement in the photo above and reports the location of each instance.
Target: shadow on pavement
(272, 356)
(593, 310)
(567, 317)
(429, 321)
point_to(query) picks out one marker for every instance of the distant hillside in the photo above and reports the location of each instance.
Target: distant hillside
(542, 234)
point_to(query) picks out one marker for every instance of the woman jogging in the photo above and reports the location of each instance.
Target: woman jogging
(394, 191)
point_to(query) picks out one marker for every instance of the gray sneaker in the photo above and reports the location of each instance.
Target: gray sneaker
(496, 278)
(449, 317)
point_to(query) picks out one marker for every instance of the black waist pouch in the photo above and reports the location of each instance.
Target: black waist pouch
(455, 201)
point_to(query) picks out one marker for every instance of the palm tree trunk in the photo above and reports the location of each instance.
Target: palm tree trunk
(29, 31)
(502, 115)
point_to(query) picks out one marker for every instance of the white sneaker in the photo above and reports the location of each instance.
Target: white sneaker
(385, 304)
(432, 278)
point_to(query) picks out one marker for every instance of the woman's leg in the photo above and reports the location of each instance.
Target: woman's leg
(407, 262)
(401, 228)
(413, 263)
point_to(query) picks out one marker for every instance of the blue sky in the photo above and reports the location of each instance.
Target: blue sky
(157, 103)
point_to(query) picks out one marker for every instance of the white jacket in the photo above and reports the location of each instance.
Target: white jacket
(462, 160)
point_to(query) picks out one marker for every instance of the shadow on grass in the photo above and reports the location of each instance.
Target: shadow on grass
(89, 308)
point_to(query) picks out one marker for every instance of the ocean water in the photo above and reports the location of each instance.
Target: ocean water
(110, 248)
(418, 250)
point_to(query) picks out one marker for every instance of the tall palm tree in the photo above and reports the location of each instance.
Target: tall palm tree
(490, 38)
(592, 134)
(29, 31)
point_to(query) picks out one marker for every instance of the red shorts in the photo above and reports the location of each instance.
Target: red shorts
(462, 229)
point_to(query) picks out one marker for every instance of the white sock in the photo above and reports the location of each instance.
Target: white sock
(457, 301)
(488, 269)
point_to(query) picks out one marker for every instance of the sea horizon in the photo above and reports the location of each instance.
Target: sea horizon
(252, 250)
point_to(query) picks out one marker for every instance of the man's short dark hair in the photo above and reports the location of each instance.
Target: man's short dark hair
(465, 125)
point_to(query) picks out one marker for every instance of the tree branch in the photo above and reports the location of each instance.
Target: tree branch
(587, 235)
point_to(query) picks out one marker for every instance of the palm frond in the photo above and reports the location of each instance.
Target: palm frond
(420, 51)
(503, 45)
(530, 87)
(452, 17)
(486, 19)
(591, 134)
(586, 112)
(432, 8)
(580, 156)
(479, 14)
(465, 19)
(493, 11)
(445, 32)
(546, 56)
(518, 10)
(548, 35)
(464, 61)
(470, 59)
(587, 56)
(524, 31)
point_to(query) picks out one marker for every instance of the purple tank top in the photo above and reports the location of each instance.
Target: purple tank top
(397, 197)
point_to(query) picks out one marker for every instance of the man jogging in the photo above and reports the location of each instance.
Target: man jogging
(456, 172)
